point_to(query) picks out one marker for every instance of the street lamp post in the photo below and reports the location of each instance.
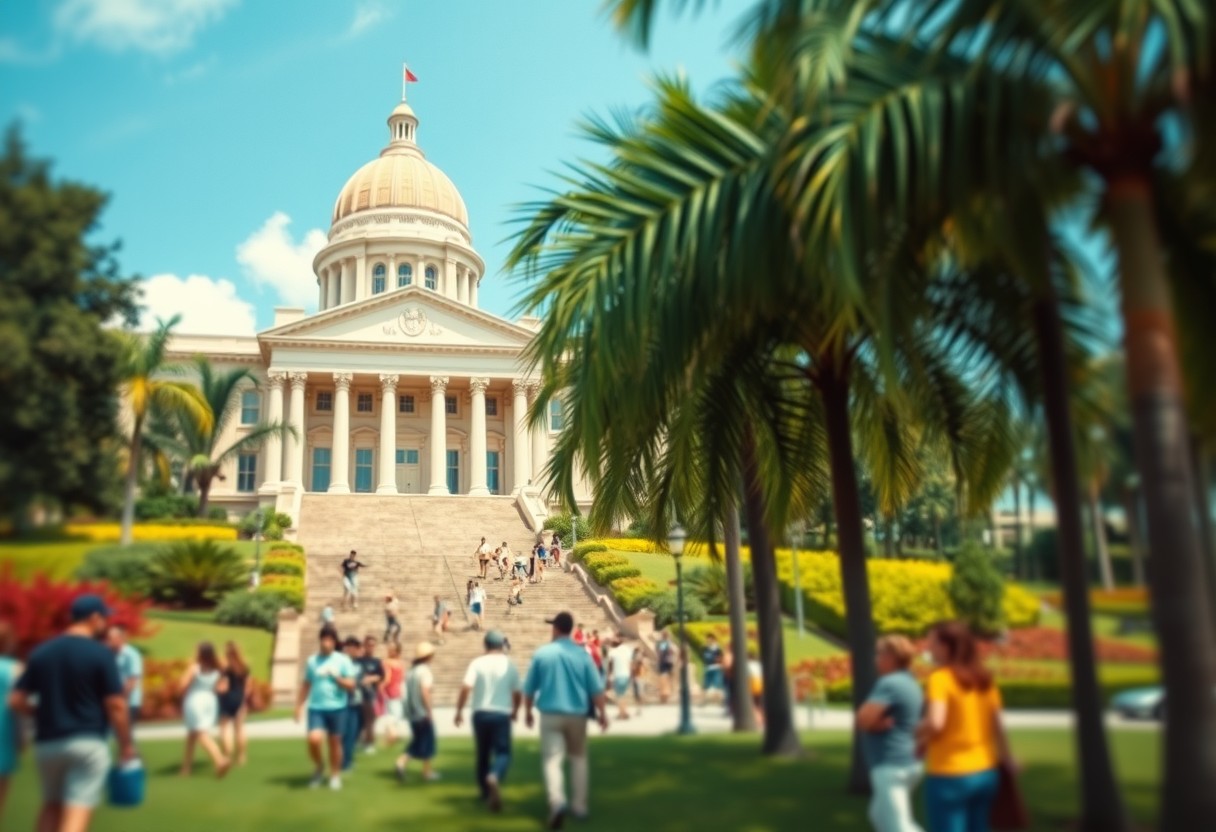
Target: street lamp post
(256, 577)
(795, 532)
(675, 545)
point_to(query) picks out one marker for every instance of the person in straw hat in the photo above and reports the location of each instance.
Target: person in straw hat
(419, 683)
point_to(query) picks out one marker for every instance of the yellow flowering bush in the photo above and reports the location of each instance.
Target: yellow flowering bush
(149, 532)
(629, 544)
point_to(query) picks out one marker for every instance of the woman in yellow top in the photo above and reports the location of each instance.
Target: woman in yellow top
(961, 733)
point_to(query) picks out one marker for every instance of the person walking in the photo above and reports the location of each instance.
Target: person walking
(962, 732)
(371, 675)
(477, 606)
(74, 680)
(503, 564)
(130, 669)
(392, 618)
(392, 691)
(494, 685)
(329, 676)
(440, 618)
(234, 705)
(714, 678)
(555, 550)
(11, 740)
(620, 671)
(542, 562)
(419, 685)
(350, 580)
(532, 556)
(564, 685)
(887, 725)
(352, 725)
(482, 554)
(200, 686)
(637, 671)
(667, 665)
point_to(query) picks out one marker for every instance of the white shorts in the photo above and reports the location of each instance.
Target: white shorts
(73, 770)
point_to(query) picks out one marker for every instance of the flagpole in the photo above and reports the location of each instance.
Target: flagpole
(404, 84)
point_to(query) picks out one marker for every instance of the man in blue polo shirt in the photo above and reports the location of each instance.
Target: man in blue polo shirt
(564, 685)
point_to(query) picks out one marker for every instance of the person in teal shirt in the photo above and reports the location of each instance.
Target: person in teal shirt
(10, 733)
(329, 678)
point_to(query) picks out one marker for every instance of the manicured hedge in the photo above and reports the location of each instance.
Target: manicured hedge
(608, 573)
(582, 550)
(634, 593)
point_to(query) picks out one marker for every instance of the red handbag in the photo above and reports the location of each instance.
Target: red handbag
(1008, 812)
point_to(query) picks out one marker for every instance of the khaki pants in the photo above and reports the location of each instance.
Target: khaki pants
(564, 736)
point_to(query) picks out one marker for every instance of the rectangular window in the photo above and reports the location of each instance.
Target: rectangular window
(246, 473)
(363, 470)
(250, 407)
(405, 403)
(449, 405)
(325, 401)
(401, 456)
(453, 472)
(363, 403)
(557, 418)
(322, 461)
(492, 471)
(377, 285)
(411, 456)
(491, 406)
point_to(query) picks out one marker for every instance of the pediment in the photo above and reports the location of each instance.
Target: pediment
(407, 317)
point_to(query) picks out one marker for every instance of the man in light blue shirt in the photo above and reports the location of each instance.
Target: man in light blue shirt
(329, 677)
(564, 685)
(130, 668)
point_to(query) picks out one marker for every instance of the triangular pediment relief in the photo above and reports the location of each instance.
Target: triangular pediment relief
(409, 316)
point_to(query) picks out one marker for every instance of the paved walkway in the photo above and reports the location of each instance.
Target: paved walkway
(654, 721)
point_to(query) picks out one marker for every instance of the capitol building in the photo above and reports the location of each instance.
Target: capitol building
(399, 383)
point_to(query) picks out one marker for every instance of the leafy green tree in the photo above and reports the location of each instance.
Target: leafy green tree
(147, 387)
(976, 588)
(58, 364)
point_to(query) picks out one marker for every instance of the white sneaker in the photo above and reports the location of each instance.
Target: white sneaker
(432, 777)
(316, 781)
(369, 749)
(335, 783)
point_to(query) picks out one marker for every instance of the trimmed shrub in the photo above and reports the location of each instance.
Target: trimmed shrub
(598, 560)
(283, 567)
(976, 589)
(217, 513)
(289, 590)
(285, 546)
(197, 573)
(665, 604)
(1124, 602)
(126, 568)
(166, 506)
(605, 575)
(250, 609)
(631, 544)
(164, 531)
(163, 699)
(564, 525)
(634, 593)
(582, 550)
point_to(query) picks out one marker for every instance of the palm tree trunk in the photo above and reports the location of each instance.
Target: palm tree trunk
(854, 577)
(780, 734)
(204, 493)
(1102, 808)
(1131, 505)
(1203, 508)
(128, 495)
(1101, 549)
(1182, 607)
(742, 714)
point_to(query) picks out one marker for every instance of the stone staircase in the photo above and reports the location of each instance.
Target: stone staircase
(419, 546)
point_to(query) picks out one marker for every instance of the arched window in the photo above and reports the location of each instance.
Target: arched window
(432, 278)
(378, 279)
(405, 275)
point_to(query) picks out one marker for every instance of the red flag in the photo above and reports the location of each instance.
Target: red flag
(410, 78)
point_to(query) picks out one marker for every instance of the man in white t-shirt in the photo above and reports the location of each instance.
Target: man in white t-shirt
(482, 554)
(620, 671)
(494, 685)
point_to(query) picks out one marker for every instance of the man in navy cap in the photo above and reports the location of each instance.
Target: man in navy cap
(80, 699)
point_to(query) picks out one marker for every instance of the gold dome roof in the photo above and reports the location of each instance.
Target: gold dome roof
(401, 177)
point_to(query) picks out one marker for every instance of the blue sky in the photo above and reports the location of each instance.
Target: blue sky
(223, 129)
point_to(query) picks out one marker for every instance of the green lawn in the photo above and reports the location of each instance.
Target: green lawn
(57, 558)
(179, 632)
(661, 784)
(1105, 626)
(811, 645)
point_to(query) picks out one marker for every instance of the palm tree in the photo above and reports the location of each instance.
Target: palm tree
(145, 387)
(201, 445)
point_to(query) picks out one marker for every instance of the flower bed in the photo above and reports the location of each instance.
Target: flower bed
(1127, 601)
(111, 532)
(162, 696)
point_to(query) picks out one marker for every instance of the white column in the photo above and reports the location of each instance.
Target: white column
(388, 435)
(274, 445)
(321, 289)
(295, 445)
(462, 284)
(540, 441)
(391, 282)
(362, 287)
(521, 463)
(472, 290)
(348, 281)
(449, 279)
(333, 297)
(477, 440)
(339, 458)
(439, 436)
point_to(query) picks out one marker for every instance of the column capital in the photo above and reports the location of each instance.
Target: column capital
(439, 384)
(342, 380)
(388, 382)
(478, 385)
(521, 386)
(533, 389)
(275, 379)
(298, 380)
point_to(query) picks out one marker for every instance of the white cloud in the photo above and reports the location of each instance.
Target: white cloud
(157, 26)
(367, 14)
(271, 256)
(192, 72)
(208, 306)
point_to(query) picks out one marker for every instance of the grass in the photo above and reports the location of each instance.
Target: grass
(1104, 626)
(811, 645)
(179, 632)
(659, 568)
(661, 784)
(57, 558)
